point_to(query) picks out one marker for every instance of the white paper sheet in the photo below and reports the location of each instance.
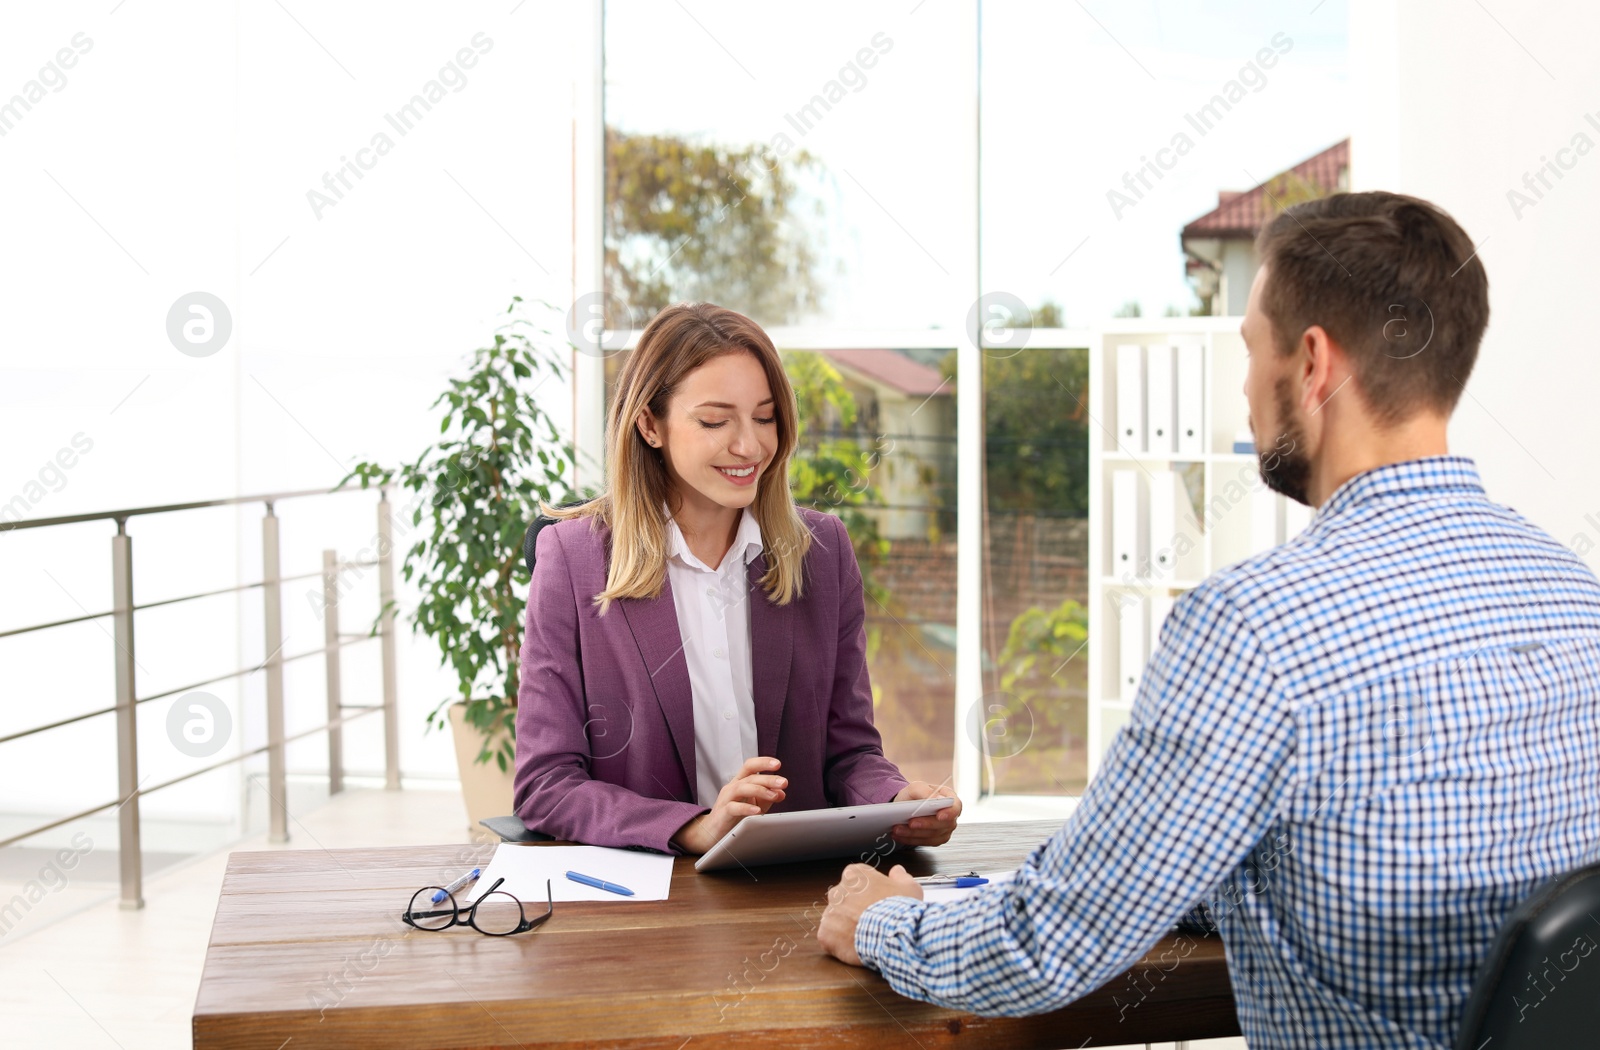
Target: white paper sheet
(525, 869)
(950, 893)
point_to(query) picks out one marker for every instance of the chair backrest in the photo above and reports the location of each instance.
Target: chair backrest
(1539, 986)
(539, 522)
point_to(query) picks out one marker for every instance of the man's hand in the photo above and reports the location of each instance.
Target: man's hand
(933, 829)
(860, 886)
(754, 789)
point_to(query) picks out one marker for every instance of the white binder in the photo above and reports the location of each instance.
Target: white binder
(1160, 412)
(1190, 401)
(1131, 629)
(1128, 525)
(1264, 504)
(1130, 399)
(1163, 524)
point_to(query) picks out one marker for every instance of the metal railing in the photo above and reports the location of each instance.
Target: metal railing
(129, 789)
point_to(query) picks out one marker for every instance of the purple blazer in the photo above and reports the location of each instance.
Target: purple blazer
(605, 718)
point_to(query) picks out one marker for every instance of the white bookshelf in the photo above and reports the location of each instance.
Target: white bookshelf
(1216, 513)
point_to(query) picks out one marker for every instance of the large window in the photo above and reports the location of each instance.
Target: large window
(801, 172)
(931, 207)
(1114, 138)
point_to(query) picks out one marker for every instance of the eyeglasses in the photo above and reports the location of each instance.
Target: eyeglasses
(495, 913)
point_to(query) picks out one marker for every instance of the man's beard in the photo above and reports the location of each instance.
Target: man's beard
(1285, 466)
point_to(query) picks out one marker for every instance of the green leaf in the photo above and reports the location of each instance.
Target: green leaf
(480, 490)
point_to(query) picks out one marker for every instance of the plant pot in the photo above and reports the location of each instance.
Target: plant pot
(485, 788)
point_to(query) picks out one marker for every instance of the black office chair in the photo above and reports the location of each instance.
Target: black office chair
(1539, 986)
(540, 521)
(511, 828)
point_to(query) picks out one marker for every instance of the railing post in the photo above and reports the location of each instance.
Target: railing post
(129, 856)
(330, 641)
(391, 706)
(272, 618)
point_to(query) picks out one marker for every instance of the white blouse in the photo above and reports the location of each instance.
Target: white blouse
(713, 607)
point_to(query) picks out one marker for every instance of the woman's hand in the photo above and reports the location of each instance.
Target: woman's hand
(933, 829)
(754, 789)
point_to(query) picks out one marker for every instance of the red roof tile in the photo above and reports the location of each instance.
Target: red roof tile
(1243, 213)
(890, 368)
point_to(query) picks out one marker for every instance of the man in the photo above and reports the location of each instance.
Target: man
(1359, 750)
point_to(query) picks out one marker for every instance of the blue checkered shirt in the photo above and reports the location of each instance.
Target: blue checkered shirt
(1355, 753)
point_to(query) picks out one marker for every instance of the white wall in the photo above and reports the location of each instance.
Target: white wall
(177, 157)
(1457, 105)
(1239, 266)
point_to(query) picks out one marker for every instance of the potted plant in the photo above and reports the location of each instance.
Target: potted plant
(499, 455)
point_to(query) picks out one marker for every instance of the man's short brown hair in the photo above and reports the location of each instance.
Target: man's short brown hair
(1393, 280)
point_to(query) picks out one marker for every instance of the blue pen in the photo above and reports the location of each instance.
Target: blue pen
(599, 884)
(456, 885)
(960, 882)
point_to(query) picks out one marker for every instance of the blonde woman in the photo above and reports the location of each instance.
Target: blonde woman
(695, 651)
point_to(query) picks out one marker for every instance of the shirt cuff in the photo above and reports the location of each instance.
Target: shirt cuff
(881, 920)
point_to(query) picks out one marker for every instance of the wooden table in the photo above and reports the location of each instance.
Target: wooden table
(308, 946)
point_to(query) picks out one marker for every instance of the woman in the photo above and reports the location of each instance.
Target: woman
(694, 652)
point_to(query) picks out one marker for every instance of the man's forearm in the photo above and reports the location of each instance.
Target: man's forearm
(964, 955)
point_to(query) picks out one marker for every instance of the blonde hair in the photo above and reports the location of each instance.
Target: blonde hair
(677, 341)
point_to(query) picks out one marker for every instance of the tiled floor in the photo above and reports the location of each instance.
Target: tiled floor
(101, 977)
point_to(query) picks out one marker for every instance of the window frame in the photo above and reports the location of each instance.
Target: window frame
(965, 213)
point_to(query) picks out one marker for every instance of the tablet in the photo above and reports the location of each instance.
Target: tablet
(815, 834)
